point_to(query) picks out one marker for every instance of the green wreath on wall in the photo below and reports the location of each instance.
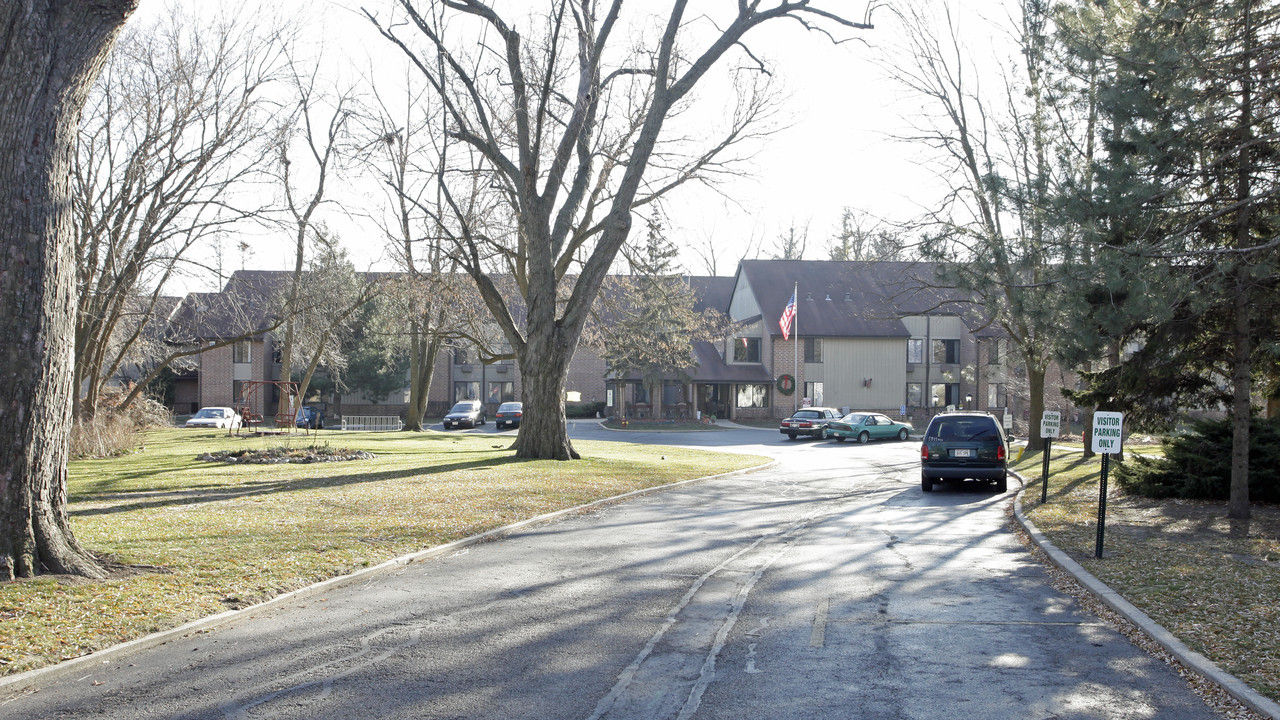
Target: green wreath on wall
(786, 384)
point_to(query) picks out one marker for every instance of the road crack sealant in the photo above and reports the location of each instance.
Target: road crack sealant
(651, 686)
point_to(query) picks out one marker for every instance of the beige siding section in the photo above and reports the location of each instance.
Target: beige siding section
(744, 304)
(848, 362)
(941, 327)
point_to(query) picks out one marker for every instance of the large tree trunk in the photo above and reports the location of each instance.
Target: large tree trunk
(1035, 389)
(425, 346)
(53, 50)
(1242, 405)
(544, 368)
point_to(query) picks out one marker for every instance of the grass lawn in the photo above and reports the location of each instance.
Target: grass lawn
(1213, 583)
(197, 538)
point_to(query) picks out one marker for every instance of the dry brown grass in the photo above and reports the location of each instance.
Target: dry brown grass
(1211, 581)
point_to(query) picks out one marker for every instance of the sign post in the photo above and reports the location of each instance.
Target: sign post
(1108, 430)
(1050, 425)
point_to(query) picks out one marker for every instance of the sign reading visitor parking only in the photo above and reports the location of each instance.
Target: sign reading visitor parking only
(1050, 423)
(1107, 427)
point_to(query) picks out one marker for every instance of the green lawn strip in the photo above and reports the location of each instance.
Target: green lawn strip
(1176, 560)
(214, 536)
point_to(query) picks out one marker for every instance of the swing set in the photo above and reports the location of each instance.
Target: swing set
(251, 396)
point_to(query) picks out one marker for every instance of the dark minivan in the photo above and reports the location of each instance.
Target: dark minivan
(964, 446)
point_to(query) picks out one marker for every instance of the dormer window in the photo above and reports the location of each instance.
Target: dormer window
(746, 349)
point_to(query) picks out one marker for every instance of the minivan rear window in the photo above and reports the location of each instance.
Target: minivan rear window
(964, 429)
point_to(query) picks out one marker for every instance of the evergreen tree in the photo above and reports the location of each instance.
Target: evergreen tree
(654, 322)
(1184, 206)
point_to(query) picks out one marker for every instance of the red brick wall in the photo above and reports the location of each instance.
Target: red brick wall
(586, 375)
(215, 377)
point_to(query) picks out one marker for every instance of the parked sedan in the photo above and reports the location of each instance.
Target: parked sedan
(509, 413)
(811, 421)
(865, 427)
(215, 417)
(468, 412)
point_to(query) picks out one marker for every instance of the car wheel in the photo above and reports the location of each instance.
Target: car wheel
(822, 434)
(839, 438)
(864, 437)
(902, 434)
(926, 483)
(1002, 485)
(791, 436)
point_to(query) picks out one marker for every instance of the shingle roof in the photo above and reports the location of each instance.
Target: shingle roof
(854, 298)
(711, 292)
(713, 369)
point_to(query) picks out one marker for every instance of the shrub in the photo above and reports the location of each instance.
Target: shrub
(583, 409)
(1197, 465)
(112, 431)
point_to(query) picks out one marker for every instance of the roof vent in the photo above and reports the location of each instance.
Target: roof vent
(808, 296)
(828, 297)
(848, 297)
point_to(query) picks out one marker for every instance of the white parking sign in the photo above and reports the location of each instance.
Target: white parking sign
(1050, 424)
(1107, 429)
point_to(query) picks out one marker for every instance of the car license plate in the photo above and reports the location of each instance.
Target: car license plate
(962, 452)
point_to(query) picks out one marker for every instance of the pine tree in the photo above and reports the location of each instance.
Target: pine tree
(654, 323)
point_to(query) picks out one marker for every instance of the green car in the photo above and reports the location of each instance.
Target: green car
(865, 427)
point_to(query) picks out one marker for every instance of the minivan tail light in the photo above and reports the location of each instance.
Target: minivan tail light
(1000, 451)
(924, 451)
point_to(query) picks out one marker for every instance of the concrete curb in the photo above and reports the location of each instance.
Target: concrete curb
(1195, 661)
(87, 663)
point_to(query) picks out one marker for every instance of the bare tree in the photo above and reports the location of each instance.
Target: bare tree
(792, 242)
(408, 131)
(989, 233)
(861, 236)
(317, 133)
(566, 128)
(54, 49)
(172, 137)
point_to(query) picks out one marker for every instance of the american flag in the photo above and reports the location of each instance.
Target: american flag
(788, 315)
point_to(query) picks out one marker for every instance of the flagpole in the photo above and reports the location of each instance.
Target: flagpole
(795, 397)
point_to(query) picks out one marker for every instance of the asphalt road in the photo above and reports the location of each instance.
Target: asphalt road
(828, 586)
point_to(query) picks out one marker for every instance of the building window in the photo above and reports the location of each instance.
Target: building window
(915, 351)
(500, 392)
(993, 351)
(945, 394)
(672, 393)
(237, 392)
(746, 350)
(813, 350)
(277, 352)
(946, 352)
(996, 395)
(753, 396)
(466, 390)
(813, 391)
(242, 351)
(915, 394)
(461, 357)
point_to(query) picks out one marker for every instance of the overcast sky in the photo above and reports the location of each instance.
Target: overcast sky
(837, 150)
